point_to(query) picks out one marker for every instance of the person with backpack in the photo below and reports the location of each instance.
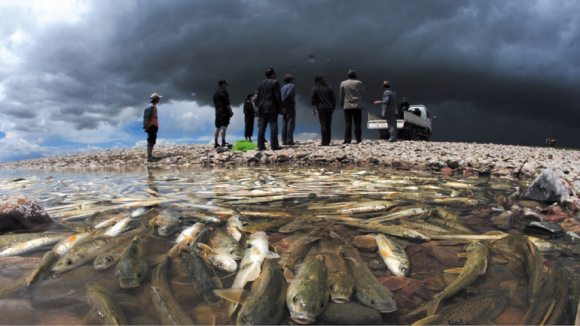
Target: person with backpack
(151, 125)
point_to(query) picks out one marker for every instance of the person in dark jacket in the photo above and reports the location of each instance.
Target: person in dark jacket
(223, 112)
(390, 108)
(151, 125)
(323, 99)
(404, 106)
(269, 104)
(289, 119)
(249, 115)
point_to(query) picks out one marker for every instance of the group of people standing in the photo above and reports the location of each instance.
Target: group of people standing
(270, 100)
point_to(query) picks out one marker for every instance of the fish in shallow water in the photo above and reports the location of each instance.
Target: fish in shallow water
(338, 276)
(369, 291)
(132, 266)
(104, 305)
(264, 304)
(393, 254)
(235, 227)
(223, 251)
(307, 294)
(477, 310)
(203, 276)
(169, 311)
(476, 264)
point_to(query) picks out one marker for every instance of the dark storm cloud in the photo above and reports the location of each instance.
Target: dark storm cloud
(503, 68)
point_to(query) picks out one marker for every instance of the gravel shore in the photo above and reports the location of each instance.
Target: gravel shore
(465, 158)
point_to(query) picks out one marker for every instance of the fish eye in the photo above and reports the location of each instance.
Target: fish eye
(138, 275)
(108, 260)
(332, 287)
(403, 269)
(232, 252)
(373, 302)
(244, 319)
(68, 262)
(220, 265)
(322, 305)
(118, 274)
(294, 298)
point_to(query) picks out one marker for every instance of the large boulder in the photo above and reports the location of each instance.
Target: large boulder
(18, 213)
(547, 187)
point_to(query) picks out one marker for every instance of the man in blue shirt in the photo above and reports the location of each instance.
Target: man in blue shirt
(289, 119)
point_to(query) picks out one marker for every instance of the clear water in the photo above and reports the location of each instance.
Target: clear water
(295, 192)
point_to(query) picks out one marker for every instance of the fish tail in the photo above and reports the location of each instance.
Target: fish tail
(430, 307)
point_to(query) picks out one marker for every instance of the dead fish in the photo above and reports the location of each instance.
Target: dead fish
(476, 264)
(393, 254)
(104, 305)
(132, 266)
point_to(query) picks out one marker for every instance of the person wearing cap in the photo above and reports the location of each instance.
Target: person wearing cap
(323, 99)
(289, 118)
(249, 115)
(351, 102)
(223, 112)
(390, 107)
(269, 104)
(151, 125)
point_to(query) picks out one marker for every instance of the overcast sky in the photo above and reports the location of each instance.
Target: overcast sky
(76, 75)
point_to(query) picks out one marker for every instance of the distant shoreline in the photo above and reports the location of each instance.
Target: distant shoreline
(448, 157)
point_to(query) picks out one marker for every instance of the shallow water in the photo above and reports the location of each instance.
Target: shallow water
(263, 197)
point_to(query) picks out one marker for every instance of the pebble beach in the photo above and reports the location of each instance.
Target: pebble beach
(447, 157)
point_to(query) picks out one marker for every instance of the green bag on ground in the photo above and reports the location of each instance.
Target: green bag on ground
(244, 145)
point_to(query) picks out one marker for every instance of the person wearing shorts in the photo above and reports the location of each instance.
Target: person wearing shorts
(223, 112)
(151, 125)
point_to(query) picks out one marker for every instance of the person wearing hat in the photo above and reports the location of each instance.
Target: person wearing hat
(269, 103)
(151, 125)
(223, 112)
(351, 102)
(249, 115)
(390, 108)
(289, 118)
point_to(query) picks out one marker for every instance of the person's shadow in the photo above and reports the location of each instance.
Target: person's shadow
(153, 190)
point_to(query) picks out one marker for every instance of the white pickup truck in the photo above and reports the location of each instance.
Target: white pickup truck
(416, 123)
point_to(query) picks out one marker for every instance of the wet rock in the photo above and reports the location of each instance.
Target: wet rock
(504, 221)
(365, 243)
(571, 237)
(547, 187)
(435, 283)
(509, 316)
(413, 249)
(18, 213)
(350, 313)
(444, 256)
(550, 228)
(376, 264)
(394, 282)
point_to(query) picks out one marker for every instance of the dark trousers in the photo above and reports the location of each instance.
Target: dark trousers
(288, 125)
(249, 120)
(349, 114)
(325, 117)
(263, 121)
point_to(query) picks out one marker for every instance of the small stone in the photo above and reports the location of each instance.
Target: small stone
(365, 243)
(571, 225)
(504, 221)
(350, 313)
(444, 256)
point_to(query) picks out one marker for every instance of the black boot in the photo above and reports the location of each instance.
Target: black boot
(216, 145)
(224, 144)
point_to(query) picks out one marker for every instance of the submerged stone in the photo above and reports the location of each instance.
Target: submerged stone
(350, 313)
(18, 213)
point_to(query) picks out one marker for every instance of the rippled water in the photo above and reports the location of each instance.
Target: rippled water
(266, 199)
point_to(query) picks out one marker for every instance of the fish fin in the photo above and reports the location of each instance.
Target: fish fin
(234, 295)
(205, 247)
(454, 270)
(463, 255)
(288, 275)
(232, 308)
(334, 235)
(272, 255)
(253, 272)
(430, 320)
(352, 260)
(430, 307)
(155, 259)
